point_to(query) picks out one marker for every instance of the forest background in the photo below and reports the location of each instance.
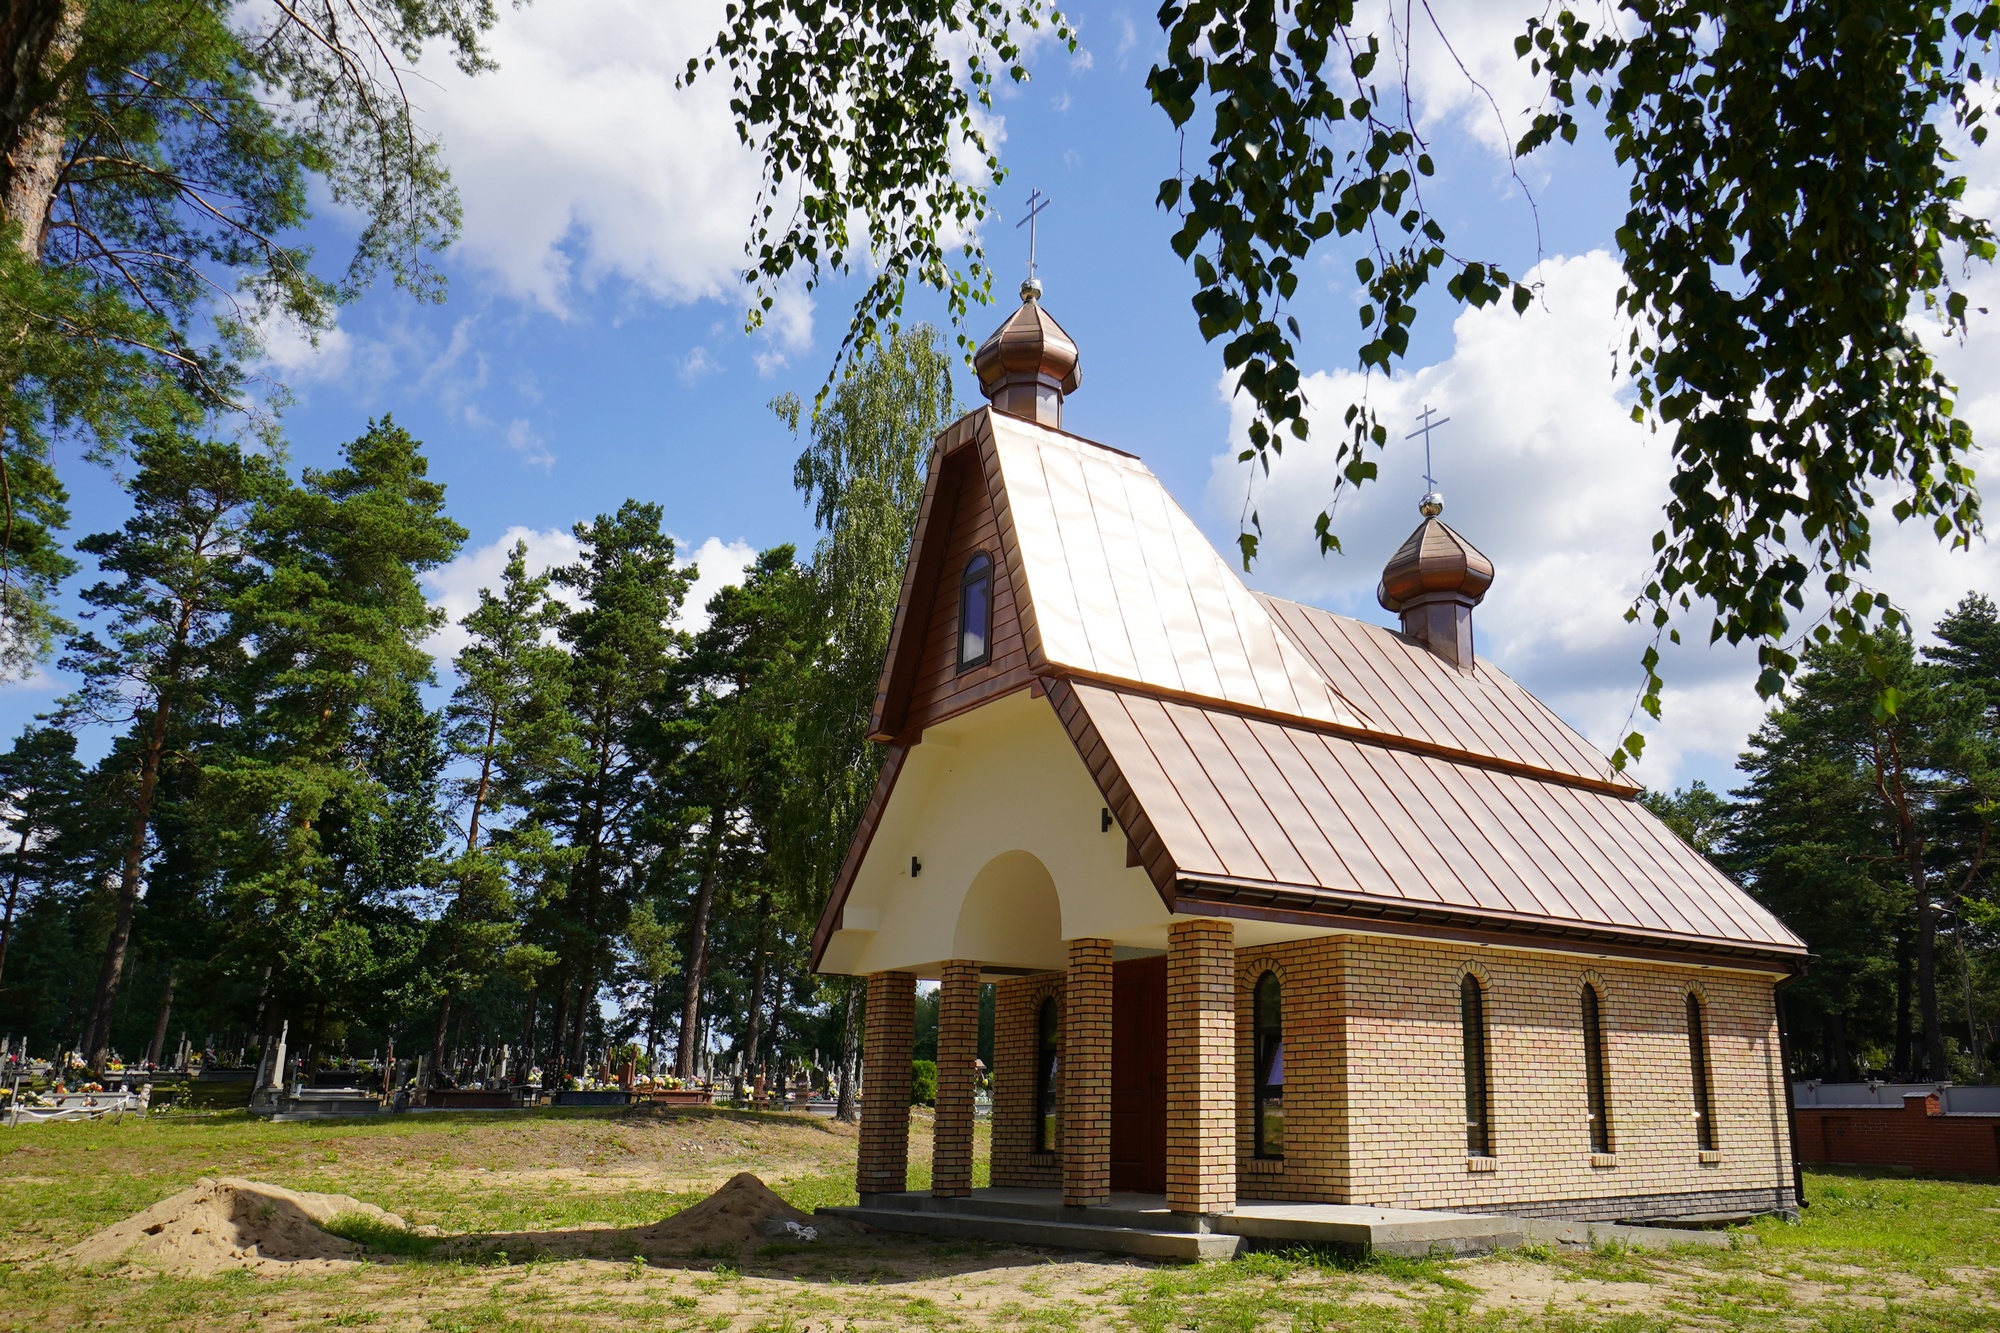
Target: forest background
(248, 748)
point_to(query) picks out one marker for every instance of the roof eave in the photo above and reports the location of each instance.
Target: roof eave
(1301, 904)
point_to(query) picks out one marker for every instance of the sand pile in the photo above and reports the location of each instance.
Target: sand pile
(224, 1224)
(743, 1212)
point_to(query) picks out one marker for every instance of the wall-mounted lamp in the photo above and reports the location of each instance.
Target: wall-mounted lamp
(916, 867)
(1104, 824)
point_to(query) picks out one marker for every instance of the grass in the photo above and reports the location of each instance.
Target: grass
(1876, 1252)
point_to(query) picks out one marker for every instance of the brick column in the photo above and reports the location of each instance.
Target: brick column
(957, 1048)
(1086, 1074)
(1201, 1066)
(883, 1165)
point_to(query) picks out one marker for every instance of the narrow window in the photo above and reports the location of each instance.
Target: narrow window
(1046, 1101)
(975, 612)
(1704, 1121)
(1593, 1073)
(1472, 1018)
(1268, 1061)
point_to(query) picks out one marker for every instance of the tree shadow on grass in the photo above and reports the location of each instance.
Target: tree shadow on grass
(860, 1257)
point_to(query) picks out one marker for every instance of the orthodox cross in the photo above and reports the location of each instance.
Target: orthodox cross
(1037, 201)
(1424, 427)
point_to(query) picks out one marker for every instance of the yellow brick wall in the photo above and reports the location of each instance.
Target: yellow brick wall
(1373, 1041)
(1086, 1072)
(1201, 1029)
(1016, 1013)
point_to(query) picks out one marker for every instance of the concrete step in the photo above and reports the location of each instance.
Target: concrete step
(1039, 1231)
(1101, 1215)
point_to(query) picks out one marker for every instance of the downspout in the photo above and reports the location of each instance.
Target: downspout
(1785, 1058)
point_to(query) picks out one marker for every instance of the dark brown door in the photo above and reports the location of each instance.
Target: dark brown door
(1139, 1076)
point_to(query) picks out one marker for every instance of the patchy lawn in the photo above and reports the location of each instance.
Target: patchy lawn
(550, 1196)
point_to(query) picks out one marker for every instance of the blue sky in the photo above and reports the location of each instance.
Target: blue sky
(592, 347)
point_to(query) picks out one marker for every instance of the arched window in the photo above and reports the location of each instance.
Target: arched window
(1047, 1101)
(1704, 1120)
(975, 612)
(1472, 1020)
(1268, 1062)
(1593, 1073)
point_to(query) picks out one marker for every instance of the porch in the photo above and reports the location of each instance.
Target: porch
(1143, 1225)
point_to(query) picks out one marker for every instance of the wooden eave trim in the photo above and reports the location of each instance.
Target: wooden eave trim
(864, 836)
(1296, 904)
(1361, 735)
(899, 671)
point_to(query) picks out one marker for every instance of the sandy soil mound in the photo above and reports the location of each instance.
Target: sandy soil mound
(224, 1224)
(742, 1212)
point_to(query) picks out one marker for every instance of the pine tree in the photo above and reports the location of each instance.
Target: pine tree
(1861, 782)
(174, 568)
(621, 641)
(336, 767)
(737, 692)
(44, 786)
(508, 719)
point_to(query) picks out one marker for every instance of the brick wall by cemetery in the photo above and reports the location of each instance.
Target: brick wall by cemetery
(1918, 1135)
(1017, 1006)
(1385, 1013)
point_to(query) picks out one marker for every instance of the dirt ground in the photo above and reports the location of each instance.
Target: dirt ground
(567, 1222)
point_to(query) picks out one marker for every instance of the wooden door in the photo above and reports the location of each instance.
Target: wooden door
(1139, 1076)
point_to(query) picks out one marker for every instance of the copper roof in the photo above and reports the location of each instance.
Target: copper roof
(1268, 757)
(1244, 808)
(1125, 587)
(1410, 693)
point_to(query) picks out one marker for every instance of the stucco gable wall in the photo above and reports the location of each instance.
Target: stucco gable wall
(1002, 779)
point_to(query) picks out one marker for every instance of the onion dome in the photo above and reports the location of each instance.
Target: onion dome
(1433, 582)
(1029, 365)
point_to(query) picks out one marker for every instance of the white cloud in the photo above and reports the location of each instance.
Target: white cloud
(291, 350)
(578, 160)
(697, 365)
(1469, 78)
(526, 441)
(454, 588)
(721, 564)
(1543, 469)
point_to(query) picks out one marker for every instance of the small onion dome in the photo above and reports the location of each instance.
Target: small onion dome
(1433, 582)
(1029, 365)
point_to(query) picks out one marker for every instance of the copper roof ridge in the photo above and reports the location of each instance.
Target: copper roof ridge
(1013, 420)
(1484, 662)
(1385, 740)
(1312, 901)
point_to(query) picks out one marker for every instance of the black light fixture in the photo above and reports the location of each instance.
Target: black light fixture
(916, 867)
(1104, 825)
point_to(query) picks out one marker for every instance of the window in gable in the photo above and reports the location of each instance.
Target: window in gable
(975, 612)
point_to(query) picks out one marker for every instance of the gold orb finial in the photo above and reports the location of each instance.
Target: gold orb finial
(1431, 505)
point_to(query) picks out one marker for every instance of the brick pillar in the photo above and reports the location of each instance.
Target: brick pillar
(1086, 1074)
(883, 1165)
(958, 1047)
(1201, 1066)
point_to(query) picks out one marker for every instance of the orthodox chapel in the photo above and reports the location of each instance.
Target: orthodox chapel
(1279, 905)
